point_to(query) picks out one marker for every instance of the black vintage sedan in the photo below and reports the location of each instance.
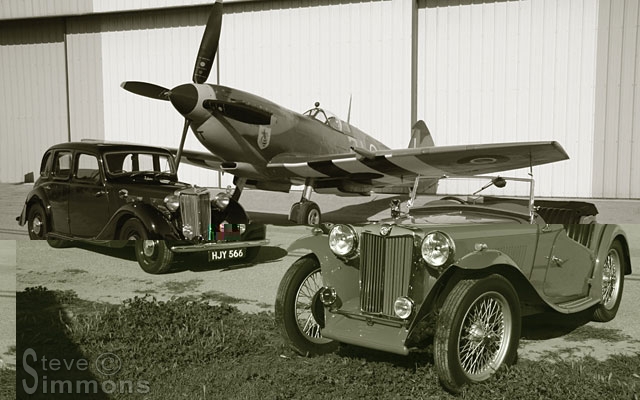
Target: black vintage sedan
(111, 193)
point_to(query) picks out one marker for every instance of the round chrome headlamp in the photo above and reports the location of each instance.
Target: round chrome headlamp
(242, 228)
(403, 307)
(437, 249)
(172, 202)
(221, 200)
(343, 240)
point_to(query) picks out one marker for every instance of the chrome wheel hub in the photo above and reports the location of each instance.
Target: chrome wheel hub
(37, 225)
(314, 217)
(149, 247)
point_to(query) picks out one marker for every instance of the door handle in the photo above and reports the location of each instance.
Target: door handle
(123, 193)
(557, 260)
(100, 193)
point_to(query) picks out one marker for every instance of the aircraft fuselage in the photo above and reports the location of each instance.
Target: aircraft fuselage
(248, 131)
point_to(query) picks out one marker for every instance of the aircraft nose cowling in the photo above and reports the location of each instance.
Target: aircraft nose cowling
(184, 98)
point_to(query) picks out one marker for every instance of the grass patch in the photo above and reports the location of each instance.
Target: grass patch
(586, 332)
(186, 348)
(7, 384)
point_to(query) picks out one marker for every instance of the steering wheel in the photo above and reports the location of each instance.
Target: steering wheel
(454, 199)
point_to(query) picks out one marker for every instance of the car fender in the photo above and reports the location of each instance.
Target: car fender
(342, 275)
(610, 233)
(483, 259)
(36, 195)
(156, 224)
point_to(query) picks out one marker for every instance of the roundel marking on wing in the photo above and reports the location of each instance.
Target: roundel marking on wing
(483, 159)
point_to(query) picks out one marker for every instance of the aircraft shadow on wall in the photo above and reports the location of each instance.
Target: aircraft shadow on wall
(269, 147)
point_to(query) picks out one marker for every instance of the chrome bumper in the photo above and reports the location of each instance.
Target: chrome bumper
(197, 247)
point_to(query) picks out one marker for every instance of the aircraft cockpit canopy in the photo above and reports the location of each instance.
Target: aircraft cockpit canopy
(328, 118)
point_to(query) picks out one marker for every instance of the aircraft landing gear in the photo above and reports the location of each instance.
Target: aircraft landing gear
(305, 212)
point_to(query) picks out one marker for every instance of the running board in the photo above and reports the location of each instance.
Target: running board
(577, 305)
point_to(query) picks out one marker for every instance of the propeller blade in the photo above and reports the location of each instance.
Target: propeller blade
(209, 45)
(147, 90)
(182, 140)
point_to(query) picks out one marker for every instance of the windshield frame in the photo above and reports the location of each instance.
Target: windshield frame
(532, 212)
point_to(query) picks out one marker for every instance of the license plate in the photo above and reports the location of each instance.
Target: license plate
(229, 254)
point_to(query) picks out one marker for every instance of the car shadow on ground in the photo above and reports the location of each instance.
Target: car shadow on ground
(48, 361)
(551, 324)
(351, 214)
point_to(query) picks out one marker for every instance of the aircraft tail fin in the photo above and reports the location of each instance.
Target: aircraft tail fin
(420, 136)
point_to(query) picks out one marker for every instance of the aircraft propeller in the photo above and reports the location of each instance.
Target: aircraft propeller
(185, 97)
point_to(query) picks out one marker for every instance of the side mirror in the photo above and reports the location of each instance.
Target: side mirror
(499, 182)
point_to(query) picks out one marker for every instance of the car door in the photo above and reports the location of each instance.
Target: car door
(88, 197)
(57, 191)
(569, 265)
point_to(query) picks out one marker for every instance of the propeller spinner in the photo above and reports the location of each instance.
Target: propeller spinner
(185, 97)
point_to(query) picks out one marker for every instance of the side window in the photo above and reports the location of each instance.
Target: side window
(45, 166)
(62, 165)
(87, 168)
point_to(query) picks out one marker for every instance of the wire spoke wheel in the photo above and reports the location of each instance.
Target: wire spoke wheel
(611, 278)
(296, 305)
(614, 266)
(304, 300)
(478, 331)
(484, 334)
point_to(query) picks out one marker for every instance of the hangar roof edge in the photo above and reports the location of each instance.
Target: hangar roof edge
(28, 9)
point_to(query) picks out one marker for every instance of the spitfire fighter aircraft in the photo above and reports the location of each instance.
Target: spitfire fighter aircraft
(269, 147)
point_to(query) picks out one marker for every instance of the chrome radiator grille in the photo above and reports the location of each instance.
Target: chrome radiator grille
(385, 269)
(195, 210)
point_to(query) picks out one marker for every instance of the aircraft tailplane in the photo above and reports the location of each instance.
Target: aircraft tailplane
(420, 136)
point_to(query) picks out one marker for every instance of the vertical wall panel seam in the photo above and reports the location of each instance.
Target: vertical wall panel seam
(66, 72)
(619, 83)
(634, 135)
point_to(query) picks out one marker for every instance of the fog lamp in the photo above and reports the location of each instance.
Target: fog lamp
(328, 296)
(437, 249)
(403, 307)
(172, 202)
(187, 231)
(343, 240)
(243, 228)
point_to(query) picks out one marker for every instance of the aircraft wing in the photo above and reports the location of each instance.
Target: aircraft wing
(392, 167)
(199, 159)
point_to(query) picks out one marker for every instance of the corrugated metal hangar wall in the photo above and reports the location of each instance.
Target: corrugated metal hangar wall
(475, 71)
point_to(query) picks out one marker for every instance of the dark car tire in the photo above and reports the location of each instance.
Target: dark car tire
(309, 214)
(293, 309)
(38, 227)
(37, 223)
(484, 312)
(613, 271)
(154, 256)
